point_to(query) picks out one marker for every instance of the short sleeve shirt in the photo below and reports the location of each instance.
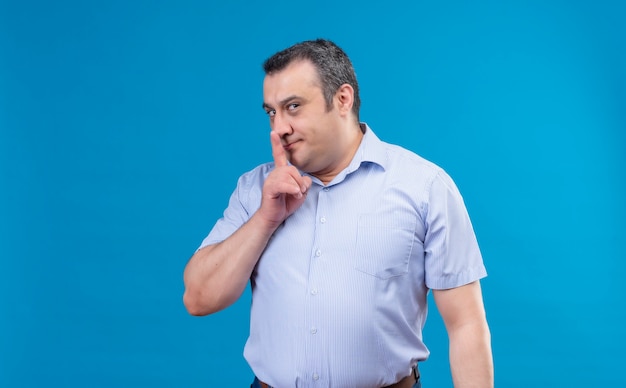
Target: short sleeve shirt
(339, 296)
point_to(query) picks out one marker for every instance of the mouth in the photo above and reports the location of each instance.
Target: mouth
(289, 146)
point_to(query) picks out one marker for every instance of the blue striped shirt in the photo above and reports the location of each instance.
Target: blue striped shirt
(339, 294)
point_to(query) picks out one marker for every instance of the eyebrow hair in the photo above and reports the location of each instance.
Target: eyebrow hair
(281, 102)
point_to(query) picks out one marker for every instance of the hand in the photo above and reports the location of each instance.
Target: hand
(285, 189)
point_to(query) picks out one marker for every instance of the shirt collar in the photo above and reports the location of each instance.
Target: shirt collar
(371, 150)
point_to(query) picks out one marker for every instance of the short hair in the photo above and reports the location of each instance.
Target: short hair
(333, 66)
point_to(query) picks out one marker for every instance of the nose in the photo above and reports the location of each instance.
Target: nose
(281, 125)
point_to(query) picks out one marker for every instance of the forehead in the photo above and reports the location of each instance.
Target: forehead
(298, 78)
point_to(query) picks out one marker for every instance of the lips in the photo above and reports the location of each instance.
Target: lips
(289, 146)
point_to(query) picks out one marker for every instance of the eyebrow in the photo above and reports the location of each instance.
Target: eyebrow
(282, 102)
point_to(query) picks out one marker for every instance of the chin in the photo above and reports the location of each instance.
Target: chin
(295, 162)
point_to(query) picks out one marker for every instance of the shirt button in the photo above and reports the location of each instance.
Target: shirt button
(326, 189)
(316, 376)
(323, 220)
(314, 291)
(313, 330)
(318, 253)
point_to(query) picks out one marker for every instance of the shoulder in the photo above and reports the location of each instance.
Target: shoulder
(257, 175)
(248, 192)
(413, 173)
(250, 183)
(411, 165)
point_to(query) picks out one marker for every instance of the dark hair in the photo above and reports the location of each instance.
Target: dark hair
(333, 67)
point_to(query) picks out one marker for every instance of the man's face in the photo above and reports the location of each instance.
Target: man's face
(294, 101)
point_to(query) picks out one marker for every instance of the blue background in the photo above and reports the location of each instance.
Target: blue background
(125, 124)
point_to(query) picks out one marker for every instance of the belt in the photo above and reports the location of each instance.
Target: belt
(406, 382)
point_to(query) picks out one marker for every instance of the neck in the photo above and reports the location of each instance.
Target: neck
(350, 145)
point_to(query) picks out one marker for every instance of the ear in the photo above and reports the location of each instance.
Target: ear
(344, 98)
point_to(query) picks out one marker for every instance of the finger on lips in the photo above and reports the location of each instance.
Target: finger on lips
(280, 160)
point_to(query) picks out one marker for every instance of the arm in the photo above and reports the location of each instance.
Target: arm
(216, 275)
(463, 313)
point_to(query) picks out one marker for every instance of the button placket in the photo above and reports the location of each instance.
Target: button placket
(314, 281)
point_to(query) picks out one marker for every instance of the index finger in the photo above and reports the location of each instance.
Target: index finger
(278, 152)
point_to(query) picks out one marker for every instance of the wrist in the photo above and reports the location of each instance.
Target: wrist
(263, 224)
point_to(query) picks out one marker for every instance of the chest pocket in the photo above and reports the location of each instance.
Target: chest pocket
(384, 244)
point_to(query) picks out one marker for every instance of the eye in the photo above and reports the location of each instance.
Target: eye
(271, 112)
(292, 107)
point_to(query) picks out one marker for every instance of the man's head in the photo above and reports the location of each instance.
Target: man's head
(331, 62)
(309, 96)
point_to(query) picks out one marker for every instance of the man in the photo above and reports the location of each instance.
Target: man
(341, 237)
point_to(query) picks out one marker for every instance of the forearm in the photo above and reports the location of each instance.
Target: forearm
(471, 360)
(217, 275)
